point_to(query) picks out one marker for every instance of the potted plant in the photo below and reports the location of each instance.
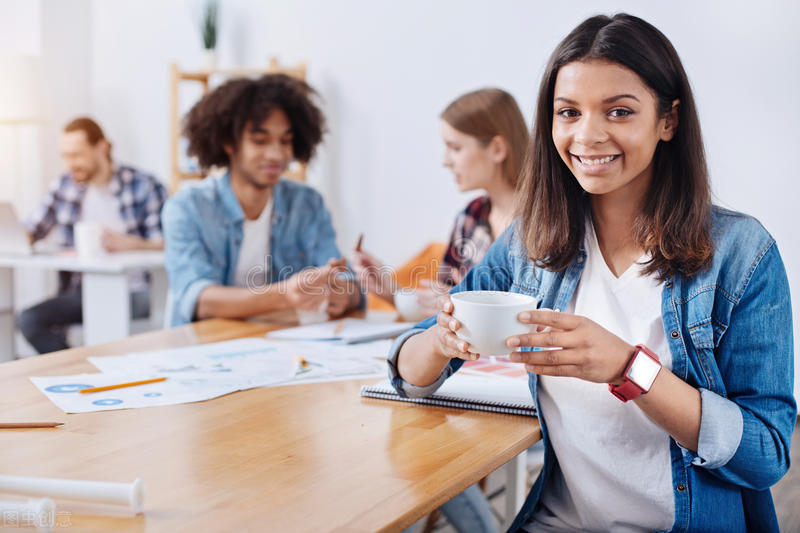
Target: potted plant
(208, 31)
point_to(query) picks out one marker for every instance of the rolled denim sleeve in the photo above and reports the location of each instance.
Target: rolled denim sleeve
(189, 265)
(721, 426)
(404, 388)
(745, 437)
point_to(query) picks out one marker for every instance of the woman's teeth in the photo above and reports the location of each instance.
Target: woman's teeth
(590, 162)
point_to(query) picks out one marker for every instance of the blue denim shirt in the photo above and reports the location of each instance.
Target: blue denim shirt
(729, 330)
(203, 231)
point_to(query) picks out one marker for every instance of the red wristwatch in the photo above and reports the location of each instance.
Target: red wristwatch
(642, 370)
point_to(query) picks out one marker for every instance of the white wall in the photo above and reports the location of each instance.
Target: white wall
(385, 71)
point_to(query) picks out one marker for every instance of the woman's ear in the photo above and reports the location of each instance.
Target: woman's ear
(498, 149)
(670, 122)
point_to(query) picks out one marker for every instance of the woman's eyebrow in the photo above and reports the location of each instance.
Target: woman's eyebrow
(619, 97)
(605, 101)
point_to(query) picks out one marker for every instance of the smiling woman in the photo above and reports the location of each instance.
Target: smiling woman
(664, 395)
(611, 100)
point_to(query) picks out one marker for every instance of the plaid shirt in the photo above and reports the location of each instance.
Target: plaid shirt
(469, 242)
(140, 195)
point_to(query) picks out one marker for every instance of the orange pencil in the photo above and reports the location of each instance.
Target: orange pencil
(120, 385)
(20, 425)
(360, 240)
(338, 327)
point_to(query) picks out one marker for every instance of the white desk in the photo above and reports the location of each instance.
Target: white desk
(106, 307)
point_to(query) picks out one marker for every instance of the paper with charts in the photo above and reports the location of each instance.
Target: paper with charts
(64, 391)
(203, 372)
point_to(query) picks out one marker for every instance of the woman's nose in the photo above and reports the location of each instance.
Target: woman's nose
(590, 131)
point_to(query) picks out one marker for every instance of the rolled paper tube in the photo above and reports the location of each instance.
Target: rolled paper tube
(40, 514)
(130, 494)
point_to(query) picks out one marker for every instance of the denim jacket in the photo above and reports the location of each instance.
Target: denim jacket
(203, 232)
(729, 330)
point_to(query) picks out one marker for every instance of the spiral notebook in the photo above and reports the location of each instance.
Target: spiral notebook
(463, 391)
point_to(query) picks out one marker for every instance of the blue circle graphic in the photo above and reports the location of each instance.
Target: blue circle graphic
(107, 401)
(68, 387)
(152, 394)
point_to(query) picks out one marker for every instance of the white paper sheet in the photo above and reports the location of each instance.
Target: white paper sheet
(249, 362)
(334, 362)
(345, 331)
(203, 372)
(64, 391)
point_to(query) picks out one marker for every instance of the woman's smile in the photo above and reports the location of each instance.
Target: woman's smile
(595, 164)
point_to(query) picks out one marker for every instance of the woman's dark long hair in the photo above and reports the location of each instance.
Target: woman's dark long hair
(674, 225)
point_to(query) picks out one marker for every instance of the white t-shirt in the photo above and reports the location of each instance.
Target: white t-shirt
(614, 462)
(254, 262)
(102, 206)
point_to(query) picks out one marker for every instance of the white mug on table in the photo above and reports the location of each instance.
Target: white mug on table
(89, 239)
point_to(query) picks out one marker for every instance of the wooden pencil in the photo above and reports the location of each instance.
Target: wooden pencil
(120, 385)
(23, 425)
(339, 327)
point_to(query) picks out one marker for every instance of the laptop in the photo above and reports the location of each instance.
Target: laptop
(13, 238)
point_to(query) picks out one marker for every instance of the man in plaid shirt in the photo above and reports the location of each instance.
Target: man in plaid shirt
(125, 201)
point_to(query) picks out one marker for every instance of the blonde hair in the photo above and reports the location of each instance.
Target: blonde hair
(487, 113)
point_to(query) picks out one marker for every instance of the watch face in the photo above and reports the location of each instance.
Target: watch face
(644, 371)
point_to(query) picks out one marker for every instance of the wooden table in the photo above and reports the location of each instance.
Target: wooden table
(104, 286)
(297, 458)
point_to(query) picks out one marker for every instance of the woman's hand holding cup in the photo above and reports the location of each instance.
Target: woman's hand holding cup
(448, 344)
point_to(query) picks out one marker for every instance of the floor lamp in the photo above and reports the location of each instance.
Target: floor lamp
(20, 93)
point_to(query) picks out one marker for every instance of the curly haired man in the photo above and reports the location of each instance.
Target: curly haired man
(249, 242)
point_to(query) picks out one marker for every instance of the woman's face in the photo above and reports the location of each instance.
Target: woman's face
(606, 127)
(473, 164)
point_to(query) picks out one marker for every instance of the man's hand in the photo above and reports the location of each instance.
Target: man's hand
(307, 289)
(122, 242)
(344, 294)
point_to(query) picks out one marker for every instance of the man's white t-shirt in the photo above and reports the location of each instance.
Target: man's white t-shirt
(254, 261)
(614, 470)
(102, 206)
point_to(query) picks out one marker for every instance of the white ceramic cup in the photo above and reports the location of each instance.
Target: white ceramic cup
(313, 316)
(489, 318)
(407, 304)
(89, 239)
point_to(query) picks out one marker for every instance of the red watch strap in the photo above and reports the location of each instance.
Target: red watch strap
(628, 390)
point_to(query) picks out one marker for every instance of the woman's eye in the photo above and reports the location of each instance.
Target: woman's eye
(567, 113)
(618, 112)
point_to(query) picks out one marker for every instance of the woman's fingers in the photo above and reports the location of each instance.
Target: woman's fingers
(558, 371)
(545, 339)
(550, 318)
(445, 304)
(446, 321)
(455, 347)
(548, 358)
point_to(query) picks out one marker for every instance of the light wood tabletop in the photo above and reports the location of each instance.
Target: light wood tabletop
(314, 457)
